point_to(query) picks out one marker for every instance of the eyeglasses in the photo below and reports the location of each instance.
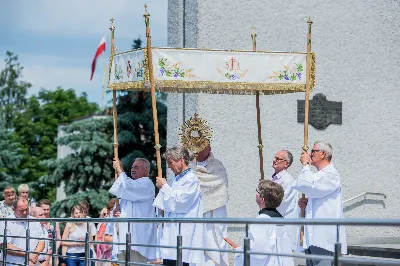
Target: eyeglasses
(312, 151)
(258, 191)
(105, 213)
(279, 159)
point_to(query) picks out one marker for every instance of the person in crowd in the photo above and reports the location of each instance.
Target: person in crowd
(323, 200)
(45, 204)
(268, 238)
(76, 232)
(23, 191)
(43, 259)
(15, 229)
(103, 251)
(6, 204)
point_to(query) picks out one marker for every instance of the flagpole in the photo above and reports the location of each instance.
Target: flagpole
(260, 145)
(306, 111)
(115, 144)
(153, 92)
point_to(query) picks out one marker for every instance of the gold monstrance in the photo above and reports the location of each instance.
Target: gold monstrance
(195, 134)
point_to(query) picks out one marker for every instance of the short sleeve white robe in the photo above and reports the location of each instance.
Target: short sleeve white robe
(267, 238)
(136, 202)
(183, 199)
(324, 193)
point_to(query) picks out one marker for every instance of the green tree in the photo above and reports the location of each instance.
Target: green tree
(12, 89)
(87, 172)
(10, 158)
(137, 44)
(36, 130)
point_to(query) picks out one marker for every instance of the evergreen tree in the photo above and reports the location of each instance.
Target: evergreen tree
(87, 172)
(10, 159)
(36, 130)
(12, 90)
(137, 44)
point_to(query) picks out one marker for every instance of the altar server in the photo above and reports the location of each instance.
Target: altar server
(288, 208)
(136, 196)
(269, 238)
(181, 199)
(323, 191)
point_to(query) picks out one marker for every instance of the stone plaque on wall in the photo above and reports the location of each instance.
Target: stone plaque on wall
(322, 112)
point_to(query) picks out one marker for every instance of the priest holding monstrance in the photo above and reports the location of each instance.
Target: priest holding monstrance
(195, 136)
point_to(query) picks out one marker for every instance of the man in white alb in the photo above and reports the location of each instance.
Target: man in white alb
(214, 186)
(288, 208)
(268, 238)
(323, 192)
(181, 199)
(137, 195)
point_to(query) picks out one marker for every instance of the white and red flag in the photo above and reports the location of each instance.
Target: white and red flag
(100, 49)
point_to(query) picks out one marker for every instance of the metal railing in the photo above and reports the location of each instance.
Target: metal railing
(337, 257)
(365, 196)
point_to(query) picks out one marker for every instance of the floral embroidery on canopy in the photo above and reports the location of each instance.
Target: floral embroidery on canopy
(289, 73)
(117, 72)
(173, 71)
(232, 70)
(139, 71)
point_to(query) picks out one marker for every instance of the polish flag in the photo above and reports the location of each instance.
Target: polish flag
(100, 49)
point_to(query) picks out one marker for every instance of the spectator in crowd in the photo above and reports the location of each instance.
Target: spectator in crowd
(23, 191)
(111, 233)
(43, 260)
(85, 205)
(15, 229)
(45, 204)
(6, 204)
(103, 251)
(75, 232)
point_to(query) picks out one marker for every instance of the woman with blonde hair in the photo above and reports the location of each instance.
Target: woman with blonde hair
(75, 232)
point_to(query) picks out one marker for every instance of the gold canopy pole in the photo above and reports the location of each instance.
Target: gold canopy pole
(306, 110)
(115, 118)
(153, 92)
(260, 145)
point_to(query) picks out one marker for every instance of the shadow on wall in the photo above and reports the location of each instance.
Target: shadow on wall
(363, 202)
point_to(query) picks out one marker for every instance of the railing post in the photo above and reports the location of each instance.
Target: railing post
(27, 245)
(5, 243)
(87, 251)
(54, 244)
(127, 249)
(338, 248)
(246, 248)
(178, 248)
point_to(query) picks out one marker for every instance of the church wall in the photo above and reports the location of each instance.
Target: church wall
(358, 61)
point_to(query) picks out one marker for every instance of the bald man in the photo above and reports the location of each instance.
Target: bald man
(38, 212)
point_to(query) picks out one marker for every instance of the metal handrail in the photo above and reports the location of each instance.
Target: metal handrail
(364, 195)
(246, 251)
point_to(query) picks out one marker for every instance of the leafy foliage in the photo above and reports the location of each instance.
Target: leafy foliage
(87, 171)
(36, 130)
(10, 159)
(12, 90)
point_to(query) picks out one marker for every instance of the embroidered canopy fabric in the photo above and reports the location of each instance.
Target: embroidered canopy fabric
(212, 71)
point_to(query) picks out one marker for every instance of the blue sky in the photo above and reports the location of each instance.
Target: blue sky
(56, 40)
